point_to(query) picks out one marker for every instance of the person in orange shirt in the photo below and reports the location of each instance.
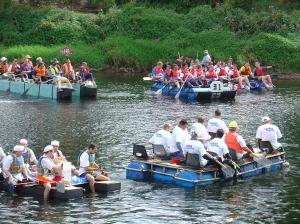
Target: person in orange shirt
(14, 68)
(236, 144)
(3, 65)
(40, 70)
(68, 70)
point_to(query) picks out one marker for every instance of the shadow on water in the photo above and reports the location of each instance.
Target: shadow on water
(126, 112)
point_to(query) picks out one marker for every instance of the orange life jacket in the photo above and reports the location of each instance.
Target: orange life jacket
(40, 71)
(14, 68)
(232, 143)
(3, 68)
(67, 69)
(246, 70)
(235, 73)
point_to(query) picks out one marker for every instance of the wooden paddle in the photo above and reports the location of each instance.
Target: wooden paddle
(178, 93)
(227, 171)
(159, 92)
(261, 160)
(147, 78)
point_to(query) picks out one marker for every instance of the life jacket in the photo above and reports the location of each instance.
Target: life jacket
(17, 164)
(235, 73)
(175, 73)
(259, 71)
(15, 68)
(67, 68)
(158, 71)
(26, 155)
(84, 71)
(92, 158)
(211, 74)
(222, 72)
(43, 171)
(54, 71)
(168, 73)
(245, 70)
(231, 141)
(3, 68)
(26, 67)
(40, 70)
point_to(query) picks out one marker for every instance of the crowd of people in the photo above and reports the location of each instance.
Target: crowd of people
(195, 73)
(39, 72)
(218, 140)
(21, 165)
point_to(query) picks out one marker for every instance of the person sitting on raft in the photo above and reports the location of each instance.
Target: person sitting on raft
(245, 70)
(158, 72)
(211, 74)
(88, 167)
(26, 68)
(235, 75)
(195, 147)
(180, 136)
(49, 173)
(14, 69)
(216, 123)
(85, 73)
(2, 155)
(236, 143)
(189, 79)
(258, 73)
(222, 74)
(162, 137)
(68, 70)
(55, 73)
(13, 166)
(3, 66)
(40, 71)
(29, 158)
(199, 131)
(268, 133)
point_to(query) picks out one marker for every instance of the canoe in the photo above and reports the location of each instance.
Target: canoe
(86, 91)
(165, 172)
(100, 186)
(215, 91)
(41, 90)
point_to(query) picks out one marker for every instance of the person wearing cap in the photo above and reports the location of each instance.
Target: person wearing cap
(57, 154)
(180, 136)
(216, 123)
(236, 143)
(206, 60)
(217, 147)
(68, 70)
(163, 137)
(26, 69)
(88, 167)
(2, 155)
(13, 166)
(3, 65)
(269, 133)
(14, 68)
(28, 154)
(40, 70)
(199, 131)
(47, 168)
(85, 73)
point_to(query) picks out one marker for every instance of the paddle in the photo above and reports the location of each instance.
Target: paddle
(227, 171)
(159, 92)
(178, 93)
(26, 91)
(261, 160)
(147, 78)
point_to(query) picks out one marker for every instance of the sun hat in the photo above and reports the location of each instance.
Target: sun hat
(55, 143)
(48, 148)
(232, 124)
(18, 148)
(23, 141)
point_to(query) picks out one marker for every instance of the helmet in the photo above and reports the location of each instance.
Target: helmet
(232, 124)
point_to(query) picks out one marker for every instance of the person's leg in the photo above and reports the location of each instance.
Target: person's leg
(47, 189)
(101, 177)
(91, 180)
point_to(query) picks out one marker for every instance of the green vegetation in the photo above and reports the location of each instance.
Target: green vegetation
(137, 34)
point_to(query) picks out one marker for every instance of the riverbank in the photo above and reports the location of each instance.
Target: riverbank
(133, 37)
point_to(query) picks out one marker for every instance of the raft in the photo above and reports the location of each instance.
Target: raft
(34, 90)
(87, 90)
(100, 186)
(215, 91)
(165, 172)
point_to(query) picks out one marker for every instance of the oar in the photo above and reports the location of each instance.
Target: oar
(147, 78)
(227, 171)
(26, 91)
(178, 93)
(261, 160)
(159, 92)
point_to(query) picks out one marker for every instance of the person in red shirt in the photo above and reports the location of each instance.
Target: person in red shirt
(168, 72)
(223, 75)
(211, 74)
(235, 75)
(258, 73)
(157, 72)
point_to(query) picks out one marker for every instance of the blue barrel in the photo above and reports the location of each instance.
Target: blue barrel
(138, 171)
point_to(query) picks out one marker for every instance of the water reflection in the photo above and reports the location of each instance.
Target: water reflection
(125, 112)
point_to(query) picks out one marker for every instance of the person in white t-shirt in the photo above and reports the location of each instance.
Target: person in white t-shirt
(89, 169)
(179, 136)
(195, 147)
(216, 123)
(162, 137)
(2, 155)
(217, 147)
(199, 132)
(269, 133)
(13, 166)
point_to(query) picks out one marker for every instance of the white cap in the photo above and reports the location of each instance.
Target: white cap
(48, 148)
(265, 119)
(3, 59)
(18, 148)
(55, 143)
(23, 141)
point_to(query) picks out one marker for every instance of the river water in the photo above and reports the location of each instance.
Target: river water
(124, 113)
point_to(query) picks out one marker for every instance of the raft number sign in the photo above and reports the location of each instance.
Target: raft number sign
(216, 86)
(66, 51)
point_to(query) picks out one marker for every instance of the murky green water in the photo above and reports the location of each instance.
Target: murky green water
(125, 112)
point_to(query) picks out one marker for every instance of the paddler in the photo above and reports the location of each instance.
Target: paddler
(55, 73)
(68, 70)
(199, 131)
(163, 137)
(85, 73)
(236, 143)
(88, 167)
(26, 68)
(29, 157)
(195, 147)
(158, 72)
(3, 65)
(180, 136)
(13, 166)
(216, 123)
(258, 73)
(40, 70)
(49, 172)
(2, 155)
